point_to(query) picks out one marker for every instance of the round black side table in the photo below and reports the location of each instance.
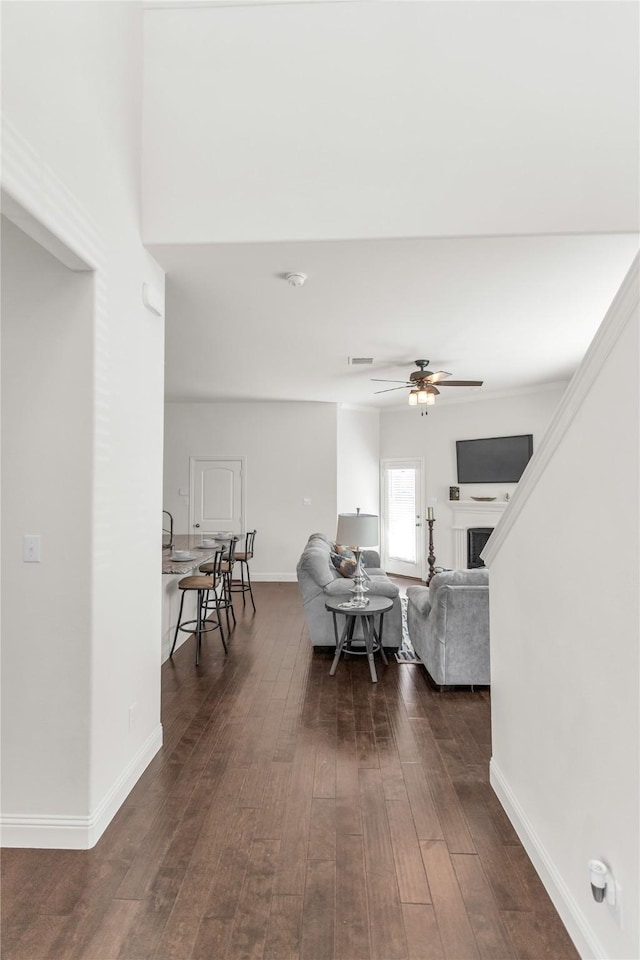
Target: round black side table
(377, 606)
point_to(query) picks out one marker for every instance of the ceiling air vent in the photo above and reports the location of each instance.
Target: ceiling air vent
(356, 360)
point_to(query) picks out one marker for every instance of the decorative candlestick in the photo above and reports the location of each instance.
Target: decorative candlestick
(431, 558)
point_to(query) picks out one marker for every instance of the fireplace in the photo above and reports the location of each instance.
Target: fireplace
(476, 542)
(472, 514)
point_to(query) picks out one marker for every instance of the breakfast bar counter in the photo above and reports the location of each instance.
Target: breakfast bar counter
(197, 554)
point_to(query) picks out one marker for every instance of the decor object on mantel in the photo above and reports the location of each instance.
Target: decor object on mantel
(483, 499)
(423, 391)
(358, 530)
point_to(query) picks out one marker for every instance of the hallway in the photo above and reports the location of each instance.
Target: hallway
(295, 815)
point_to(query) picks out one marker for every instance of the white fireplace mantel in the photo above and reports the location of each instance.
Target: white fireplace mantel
(472, 513)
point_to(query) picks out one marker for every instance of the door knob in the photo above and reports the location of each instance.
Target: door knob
(196, 524)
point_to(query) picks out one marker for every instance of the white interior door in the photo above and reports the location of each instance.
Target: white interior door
(217, 495)
(402, 520)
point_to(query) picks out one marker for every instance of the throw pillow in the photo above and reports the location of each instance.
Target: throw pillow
(343, 551)
(346, 566)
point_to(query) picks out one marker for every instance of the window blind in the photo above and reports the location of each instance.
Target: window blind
(401, 513)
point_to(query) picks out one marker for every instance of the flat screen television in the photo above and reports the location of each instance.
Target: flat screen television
(493, 459)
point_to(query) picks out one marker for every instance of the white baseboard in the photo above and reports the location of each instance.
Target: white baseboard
(79, 833)
(586, 942)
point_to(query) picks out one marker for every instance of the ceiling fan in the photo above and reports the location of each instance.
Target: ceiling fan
(423, 384)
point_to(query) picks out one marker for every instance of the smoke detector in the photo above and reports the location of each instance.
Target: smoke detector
(296, 279)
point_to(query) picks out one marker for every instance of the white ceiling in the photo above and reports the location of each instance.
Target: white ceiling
(459, 181)
(513, 312)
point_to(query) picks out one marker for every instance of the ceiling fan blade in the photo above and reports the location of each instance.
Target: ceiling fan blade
(376, 380)
(462, 383)
(437, 377)
(389, 389)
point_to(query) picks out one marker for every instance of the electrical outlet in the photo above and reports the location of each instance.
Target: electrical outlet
(31, 548)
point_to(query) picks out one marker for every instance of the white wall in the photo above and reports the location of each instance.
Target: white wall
(236, 138)
(565, 648)
(46, 479)
(290, 450)
(407, 434)
(71, 102)
(358, 460)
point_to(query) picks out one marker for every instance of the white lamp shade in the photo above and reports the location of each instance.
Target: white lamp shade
(358, 530)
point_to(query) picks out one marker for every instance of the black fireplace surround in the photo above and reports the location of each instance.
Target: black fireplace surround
(476, 542)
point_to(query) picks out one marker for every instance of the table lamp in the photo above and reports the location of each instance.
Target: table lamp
(358, 530)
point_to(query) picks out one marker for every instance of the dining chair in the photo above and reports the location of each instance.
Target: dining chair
(223, 599)
(202, 585)
(242, 557)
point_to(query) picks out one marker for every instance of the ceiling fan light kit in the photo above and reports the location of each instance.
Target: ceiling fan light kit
(422, 382)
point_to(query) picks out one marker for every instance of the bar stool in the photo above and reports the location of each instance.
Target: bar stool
(202, 585)
(242, 557)
(223, 601)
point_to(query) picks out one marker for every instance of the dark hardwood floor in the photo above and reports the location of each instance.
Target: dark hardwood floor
(291, 814)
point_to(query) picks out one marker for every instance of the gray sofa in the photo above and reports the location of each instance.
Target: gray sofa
(448, 625)
(319, 581)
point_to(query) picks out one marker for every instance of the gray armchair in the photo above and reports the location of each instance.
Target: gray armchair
(448, 624)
